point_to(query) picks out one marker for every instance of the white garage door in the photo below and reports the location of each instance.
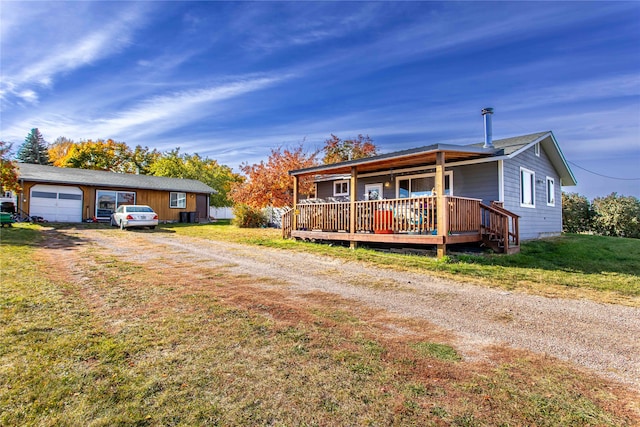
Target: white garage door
(56, 203)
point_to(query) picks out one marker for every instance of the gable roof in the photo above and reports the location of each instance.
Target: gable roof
(55, 175)
(503, 148)
(514, 146)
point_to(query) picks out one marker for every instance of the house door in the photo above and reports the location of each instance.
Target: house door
(373, 191)
(202, 206)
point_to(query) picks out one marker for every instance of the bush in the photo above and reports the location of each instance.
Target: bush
(617, 216)
(248, 217)
(576, 213)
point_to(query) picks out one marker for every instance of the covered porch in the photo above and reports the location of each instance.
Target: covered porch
(436, 219)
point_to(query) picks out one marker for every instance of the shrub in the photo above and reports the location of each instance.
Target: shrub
(576, 213)
(248, 217)
(617, 216)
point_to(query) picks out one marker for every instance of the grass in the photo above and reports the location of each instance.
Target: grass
(604, 269)
(125, 343)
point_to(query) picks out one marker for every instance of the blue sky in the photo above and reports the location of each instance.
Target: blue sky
(232, 80)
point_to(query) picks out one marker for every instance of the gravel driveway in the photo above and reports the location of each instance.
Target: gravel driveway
(600, 337)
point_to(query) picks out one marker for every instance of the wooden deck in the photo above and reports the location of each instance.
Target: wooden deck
(410, 221)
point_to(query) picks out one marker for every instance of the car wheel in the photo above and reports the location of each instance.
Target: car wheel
(153, 227)
(121, 225)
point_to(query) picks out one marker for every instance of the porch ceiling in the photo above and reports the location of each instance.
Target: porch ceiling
(426, 156)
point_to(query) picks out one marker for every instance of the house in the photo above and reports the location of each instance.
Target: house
(76, 195)
(496, 192)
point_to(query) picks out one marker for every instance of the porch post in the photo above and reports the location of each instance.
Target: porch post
(294, 217)
(352, 205)
(441, 204)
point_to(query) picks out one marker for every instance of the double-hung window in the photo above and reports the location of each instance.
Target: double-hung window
(341, 188)
(177, 200)
(551, 192)
(527, 188)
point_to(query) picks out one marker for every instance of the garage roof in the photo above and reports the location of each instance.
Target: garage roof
(52, 174)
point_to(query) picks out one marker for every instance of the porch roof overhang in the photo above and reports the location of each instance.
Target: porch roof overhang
(400, 159)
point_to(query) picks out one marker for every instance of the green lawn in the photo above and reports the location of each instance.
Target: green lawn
(125, 344)
(605, 269)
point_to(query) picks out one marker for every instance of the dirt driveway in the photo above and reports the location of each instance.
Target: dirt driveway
(602, 338)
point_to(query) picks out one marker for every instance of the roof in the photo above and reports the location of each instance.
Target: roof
(516, 145)
(503, 148)
(55, 175)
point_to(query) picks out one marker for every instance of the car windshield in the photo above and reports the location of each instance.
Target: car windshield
(139, 209)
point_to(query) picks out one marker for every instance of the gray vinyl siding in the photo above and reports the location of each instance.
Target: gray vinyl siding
(542, 220)
(324, 189)
(479, 181)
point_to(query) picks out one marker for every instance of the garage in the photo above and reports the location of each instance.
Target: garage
(56, 203)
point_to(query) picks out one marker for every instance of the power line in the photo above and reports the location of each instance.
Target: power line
(604, 176)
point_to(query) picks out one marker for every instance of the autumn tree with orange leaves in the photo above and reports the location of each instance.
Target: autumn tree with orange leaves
(8, 173)
(338, 150)
(269, 184)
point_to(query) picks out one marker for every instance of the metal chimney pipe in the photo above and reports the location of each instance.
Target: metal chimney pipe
(488, 130)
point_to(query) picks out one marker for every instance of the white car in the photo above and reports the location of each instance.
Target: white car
(128, 216)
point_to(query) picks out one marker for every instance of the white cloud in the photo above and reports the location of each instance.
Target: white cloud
(64, 40)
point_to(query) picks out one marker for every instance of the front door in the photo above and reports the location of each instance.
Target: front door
(202, 207)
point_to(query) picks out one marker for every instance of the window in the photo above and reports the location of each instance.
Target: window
(177, 200)
(108, 201)
(422, 185)
(527, 188)
(341, 188)
(551, 192)
(536, 149)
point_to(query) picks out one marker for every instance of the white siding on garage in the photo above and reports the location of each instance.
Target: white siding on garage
(56, 203)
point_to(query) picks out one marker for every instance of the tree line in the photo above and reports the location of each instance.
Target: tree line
(257, 186)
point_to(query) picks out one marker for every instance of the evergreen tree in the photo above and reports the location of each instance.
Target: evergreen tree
(34, 150)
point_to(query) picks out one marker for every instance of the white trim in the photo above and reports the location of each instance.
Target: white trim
(178, 199)
(553, 191)
(424, 175)
(342, 181)
(533, 188)
(501, 181)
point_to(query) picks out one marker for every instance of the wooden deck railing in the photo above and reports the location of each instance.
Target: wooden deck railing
(287, 223)
(500, 225)
(416, 215)
(464, 214)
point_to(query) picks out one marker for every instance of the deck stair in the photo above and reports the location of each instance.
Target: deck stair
(500, 230)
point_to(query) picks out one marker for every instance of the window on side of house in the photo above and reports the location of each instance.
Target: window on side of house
(551, 192)
(527, 188)
(341, 188)
(536, 149)
(177, 200)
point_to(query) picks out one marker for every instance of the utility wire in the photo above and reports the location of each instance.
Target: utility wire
(604, 176)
